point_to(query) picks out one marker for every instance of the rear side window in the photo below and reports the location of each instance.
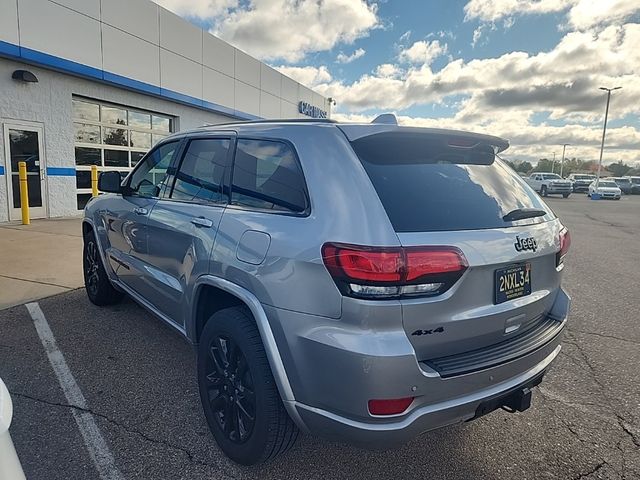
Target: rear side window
(202, 171)
(422, 192)
(266, 175)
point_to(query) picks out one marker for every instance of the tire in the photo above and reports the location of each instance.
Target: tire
(232, 362)
(543, 191)
(96, 281)
(565, 195)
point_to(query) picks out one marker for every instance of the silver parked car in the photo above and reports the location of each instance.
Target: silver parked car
(363, 282)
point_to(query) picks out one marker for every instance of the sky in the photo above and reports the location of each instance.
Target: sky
(526, 70)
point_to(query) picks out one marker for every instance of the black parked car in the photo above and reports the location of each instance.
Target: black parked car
(635, 185)
(580, 181)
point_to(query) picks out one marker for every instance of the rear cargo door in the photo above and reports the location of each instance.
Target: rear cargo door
(443, 189)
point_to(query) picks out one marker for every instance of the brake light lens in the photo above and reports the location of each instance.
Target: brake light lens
(384, 272)
(565, 243)
(389, 407)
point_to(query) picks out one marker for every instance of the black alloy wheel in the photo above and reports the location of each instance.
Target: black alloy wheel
(239, 396)
(96, 281)
(230, 389)
(91, 265)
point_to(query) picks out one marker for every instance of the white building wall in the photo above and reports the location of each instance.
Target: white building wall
(123, 40)
(127, 52)
(48, 104)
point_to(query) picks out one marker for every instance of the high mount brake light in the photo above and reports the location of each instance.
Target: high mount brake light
(384, 272)
(565, 243)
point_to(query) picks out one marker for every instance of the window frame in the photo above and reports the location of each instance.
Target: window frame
(165, 194)
(305, 213)
(127, 191)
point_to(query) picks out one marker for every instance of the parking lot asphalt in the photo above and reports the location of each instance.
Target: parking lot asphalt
(138, 378)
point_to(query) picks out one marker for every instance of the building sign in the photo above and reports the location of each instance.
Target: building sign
(311, 110)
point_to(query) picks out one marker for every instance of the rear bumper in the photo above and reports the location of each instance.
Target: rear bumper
(421, 419)
(335, 367)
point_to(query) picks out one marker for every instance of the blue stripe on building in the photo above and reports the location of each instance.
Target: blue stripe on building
(67, 66)
(1, 170)
(61, 171)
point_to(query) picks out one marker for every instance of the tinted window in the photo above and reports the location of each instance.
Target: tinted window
(551, 176)
(420, 193)
(266, 175)
(202, 171)
(148, 179)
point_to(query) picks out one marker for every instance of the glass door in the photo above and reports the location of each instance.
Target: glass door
(24, 144)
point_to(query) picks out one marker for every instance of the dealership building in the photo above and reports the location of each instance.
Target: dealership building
(99, 82)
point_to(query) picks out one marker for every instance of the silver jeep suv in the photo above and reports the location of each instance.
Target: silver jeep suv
(363, 282)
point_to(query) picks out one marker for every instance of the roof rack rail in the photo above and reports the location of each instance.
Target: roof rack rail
(273, 120)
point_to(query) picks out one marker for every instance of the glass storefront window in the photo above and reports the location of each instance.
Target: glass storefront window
(114, 116)
(140, 139)
(86, 133)
(86, 111)
(88, 156)
(112, 138)
(116, 158)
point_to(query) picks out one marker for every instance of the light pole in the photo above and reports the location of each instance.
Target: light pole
(564, 145)
(553, 165)
(604, 131)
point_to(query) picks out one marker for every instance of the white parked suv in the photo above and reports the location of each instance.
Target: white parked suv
(549, 183)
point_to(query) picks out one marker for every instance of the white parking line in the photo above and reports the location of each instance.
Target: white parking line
(93, 439)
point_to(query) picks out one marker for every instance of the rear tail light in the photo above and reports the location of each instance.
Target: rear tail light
(390, 272)
(389, 407)
(565, 243)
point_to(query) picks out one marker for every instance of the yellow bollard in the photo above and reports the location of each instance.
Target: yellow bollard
(94, 181)
(24, 192)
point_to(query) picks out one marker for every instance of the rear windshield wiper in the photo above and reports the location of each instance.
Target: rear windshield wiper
(522, 213)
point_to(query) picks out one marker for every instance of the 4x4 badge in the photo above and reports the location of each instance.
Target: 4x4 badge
(428, 332)
(528, 243)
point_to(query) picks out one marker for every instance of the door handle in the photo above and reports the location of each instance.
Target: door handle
(140, 211)
(202, 222)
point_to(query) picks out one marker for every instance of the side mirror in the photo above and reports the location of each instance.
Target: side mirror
(110, 182)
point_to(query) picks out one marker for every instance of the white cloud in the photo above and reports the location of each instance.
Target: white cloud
(582, 14)
(309, 76)
(288, 30)
(423, 52)
(561, 81)
(588, 13)
(387, 70)
(477, 34)
(504, 95)
(342, 58)
(202, 9)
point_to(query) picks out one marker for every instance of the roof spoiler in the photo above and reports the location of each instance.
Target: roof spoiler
(386, 119)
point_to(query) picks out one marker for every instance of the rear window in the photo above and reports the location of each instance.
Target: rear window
(551, 176)
(421, 192)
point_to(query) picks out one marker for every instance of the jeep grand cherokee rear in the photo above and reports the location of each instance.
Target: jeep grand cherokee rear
(361, 282)
(461, 315)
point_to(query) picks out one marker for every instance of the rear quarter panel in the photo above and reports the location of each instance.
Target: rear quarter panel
(344, 208)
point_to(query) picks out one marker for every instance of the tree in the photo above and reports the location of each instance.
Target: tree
(619, 169)
(524, 167)
(544, 165)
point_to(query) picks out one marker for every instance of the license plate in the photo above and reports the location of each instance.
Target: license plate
(513, 282)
